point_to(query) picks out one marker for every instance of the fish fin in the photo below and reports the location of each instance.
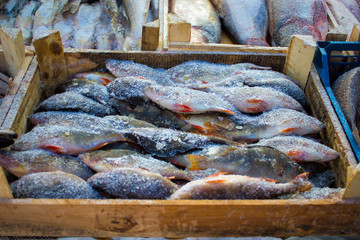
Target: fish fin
(294, 155)
(302, 183)
(204, 82)
(99, 146)
(53, 148)
(216, 181)
(170, 178)
(268, 179)
(288, 130)
(302, 176)
(210, 127)
(216, 174)
(229, 112)
(198, 127)
(183, 108)
(194, 162)
(106, 81)
(255, 100)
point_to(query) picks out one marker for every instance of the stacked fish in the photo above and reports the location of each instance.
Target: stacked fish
(263, 22)
(226, 131)
(82, 24)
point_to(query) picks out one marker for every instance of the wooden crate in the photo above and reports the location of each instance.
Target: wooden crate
(184, 218)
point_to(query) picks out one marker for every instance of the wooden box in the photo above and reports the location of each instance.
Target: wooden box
(183, 218)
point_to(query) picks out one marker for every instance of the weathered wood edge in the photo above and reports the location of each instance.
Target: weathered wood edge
(178, 218)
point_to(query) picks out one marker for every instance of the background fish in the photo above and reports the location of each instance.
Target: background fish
(24, 20)
(290, 17)
(137, 12)
(63, 23)
(250, 161)
(131, 183)
(347, 89)
(13, 7)
(343, 15)
(205, 24)
(53, 185)
(104, 40)
(102, 77)
(300, 149)
(71, 101)
(239, 187)
(21, 163)
(246, 21)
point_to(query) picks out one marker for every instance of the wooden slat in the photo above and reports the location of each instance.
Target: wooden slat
(179, 29)
(150, 36)
(299, 58)
(51, 60)
(164, 25)
(178, 219)
(14, 49)
(5, 191)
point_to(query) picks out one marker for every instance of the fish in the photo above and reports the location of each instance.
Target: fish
(58, 185)
(124, 122)
(72, 6)
(149, 112)
(186, 100)
(45, 16)
(129, 89)
(63, 23)
(88, 88)
(257, 99)
(84, 24)
(291, 17)
(71, 101)
(102, 77)
(300, 149)
(66, 139)
(123, 68)
(13, 7)
(132, 183)
(24, 20)
(205, 23)
(137, 12)
(20, 163)
(346, 89)
(104, 40)
(353, 6)
(317, 193)
(246, 21)
(118, 23)
(163, 142)
(343, 16)
(221, 186)
(154, 7)
(278, 122)
(102, 161)
(196, 72)
(250, 161)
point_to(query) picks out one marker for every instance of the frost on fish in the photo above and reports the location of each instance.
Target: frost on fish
(300, 149)
(124, 122)
(250, 161)
(89, 88)
(149, 112)
(131, 69)
(103, 40)
(102, 161)
(185, 100)
(53, 185)
(102, 77)
(257, 99)
(65, 139)
(279, 122)
(75, 102)
(239, 187)
(131, 183)
(129, 89)
(20, 163)
(291, 17)
(205, 24)
(63, 23)
(85, 21)
(317, 193)
(164, 142)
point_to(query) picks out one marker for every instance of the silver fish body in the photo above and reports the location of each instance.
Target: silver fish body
(24, 20)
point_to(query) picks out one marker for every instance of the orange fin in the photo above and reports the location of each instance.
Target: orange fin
(288, 130)
(216, 181)
(255, 100)
(170, 178)
(183, 108)
(194, 162)
(302, 176)
(198, 127)
(216, 174)
(106, 81)
(53, 148)
(268, 179)
(99, 146)
(293, 152)
(229, 112)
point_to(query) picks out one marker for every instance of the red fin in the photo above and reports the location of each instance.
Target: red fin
(106, 81)
(302, 176)
(53, 148)
(293, 152)
(255, 100)
(288, 130)
(225, 111)
(216, 181)
(204, 82)
(216, 174)
(198, 127)
(194, 162)
(183, 108)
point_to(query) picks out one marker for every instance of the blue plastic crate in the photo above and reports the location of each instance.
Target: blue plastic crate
(330, 64)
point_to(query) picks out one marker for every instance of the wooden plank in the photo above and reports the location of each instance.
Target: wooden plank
(51, 60)
(14, 49)
(5, 191)
(352, 189)
(299, 58)
(355, 34)
(179, 29)
(150, 36)
(178, 219)
(216, 47)
(164, 25)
